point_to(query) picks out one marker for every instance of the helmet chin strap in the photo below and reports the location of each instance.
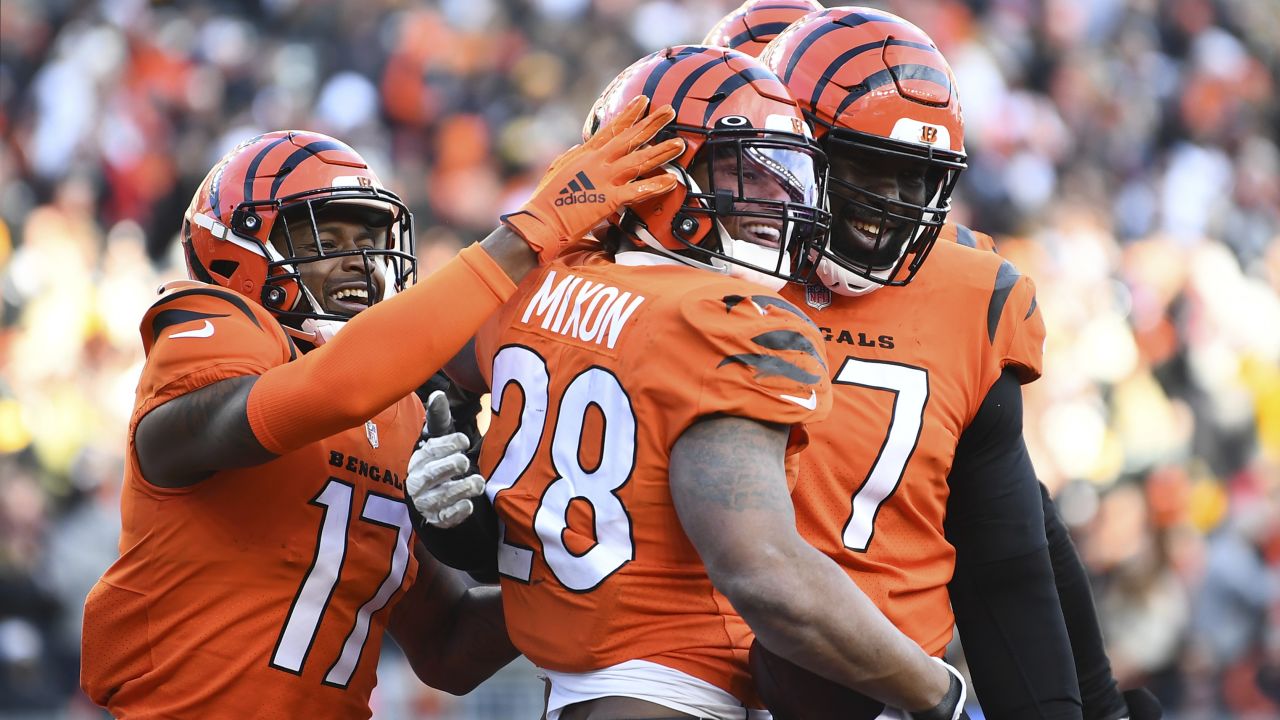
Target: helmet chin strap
(844, 282)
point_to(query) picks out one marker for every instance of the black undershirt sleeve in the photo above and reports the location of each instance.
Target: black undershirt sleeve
(1102, 699)
(1003, 592)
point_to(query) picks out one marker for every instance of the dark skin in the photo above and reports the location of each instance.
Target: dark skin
(339, 283)
(454, 637)
(854, 230)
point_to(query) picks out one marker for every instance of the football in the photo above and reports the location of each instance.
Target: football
(793, 693)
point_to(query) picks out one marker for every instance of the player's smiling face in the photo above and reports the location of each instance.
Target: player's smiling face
(340, 284)
(764, 228)
(856, 228)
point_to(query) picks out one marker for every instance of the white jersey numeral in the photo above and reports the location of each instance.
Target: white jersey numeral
(910, 387)
(596, 386)
(299, 631)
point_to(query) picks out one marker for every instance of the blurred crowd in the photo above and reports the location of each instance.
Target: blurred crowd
(1125, 153)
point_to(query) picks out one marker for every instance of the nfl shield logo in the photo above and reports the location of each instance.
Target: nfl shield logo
(818, 296)
(371, 432)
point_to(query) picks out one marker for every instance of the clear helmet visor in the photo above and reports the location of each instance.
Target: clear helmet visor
(791, 172)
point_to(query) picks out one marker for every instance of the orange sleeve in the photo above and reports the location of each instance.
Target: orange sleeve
(382, 354)
(756, 357)
(1019, 331)
(486, 344)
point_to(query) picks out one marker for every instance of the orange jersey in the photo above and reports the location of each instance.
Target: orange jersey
(910, 367)
(597, 369)
(262, 591)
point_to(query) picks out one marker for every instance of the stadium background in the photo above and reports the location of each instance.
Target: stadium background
(1123, 151)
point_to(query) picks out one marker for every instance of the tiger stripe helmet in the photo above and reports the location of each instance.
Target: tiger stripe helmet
(729, 109)
(871, 82)
(755, 22)
(227, 229)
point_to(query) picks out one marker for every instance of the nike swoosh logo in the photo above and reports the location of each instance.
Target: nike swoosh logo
(811, 403)
(206, 331)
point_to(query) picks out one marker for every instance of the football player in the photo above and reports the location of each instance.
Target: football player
(645, 402)
(936, 364)
(266, 543)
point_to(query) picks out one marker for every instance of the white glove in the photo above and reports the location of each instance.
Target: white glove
(442, 497)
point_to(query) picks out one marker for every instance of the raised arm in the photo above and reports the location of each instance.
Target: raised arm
(729, 488)
(248, 420)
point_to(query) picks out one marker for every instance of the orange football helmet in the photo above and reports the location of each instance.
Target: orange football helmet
(227, 229)
(876, 90)
(761, 170)
(755, 22)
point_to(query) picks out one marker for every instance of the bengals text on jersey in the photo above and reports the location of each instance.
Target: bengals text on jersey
(266, 588)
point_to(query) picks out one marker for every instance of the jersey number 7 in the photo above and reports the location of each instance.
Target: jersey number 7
(910, 387)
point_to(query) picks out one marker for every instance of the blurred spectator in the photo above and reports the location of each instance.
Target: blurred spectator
(1125, 152)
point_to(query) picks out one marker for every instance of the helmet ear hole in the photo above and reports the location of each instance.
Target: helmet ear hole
(225, 268)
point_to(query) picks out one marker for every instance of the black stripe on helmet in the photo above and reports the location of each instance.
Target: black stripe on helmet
(732, 83)
(804, 44)
(884, 77)
(682, 92)
(754, 33)
(655, 75)
(252, 171)
(297, 157)
(846, 56)
(836, 23)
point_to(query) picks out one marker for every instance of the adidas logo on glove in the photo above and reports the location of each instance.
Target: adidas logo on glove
(575, 192)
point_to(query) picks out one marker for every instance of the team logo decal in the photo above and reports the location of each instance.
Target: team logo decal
(818, 296)
(371, 432)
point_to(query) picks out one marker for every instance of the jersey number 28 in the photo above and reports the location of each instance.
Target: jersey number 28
(596, 386)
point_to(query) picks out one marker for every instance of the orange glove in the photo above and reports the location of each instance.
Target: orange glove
(592, 181)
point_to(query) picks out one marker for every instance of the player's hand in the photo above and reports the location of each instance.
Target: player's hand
(952, 705)
(592, 181)
(438, 479)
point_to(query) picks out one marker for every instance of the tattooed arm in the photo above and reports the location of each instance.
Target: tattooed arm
(730, 490)
(186, 439)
